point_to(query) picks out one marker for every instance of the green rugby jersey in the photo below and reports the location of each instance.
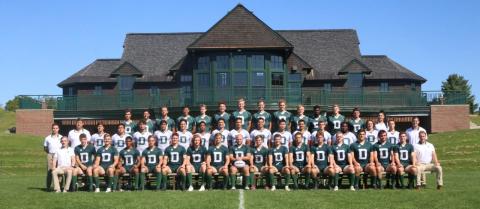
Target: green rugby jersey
(267, 117)
(278, 116)
(152, 156)
(361, 152)
(334, 123)
(107, 156)
(299, 155)
(226, 119)
(278, 156)
(405, 154)
(175, 155)
(206, 119)
(356, 124)
(197, 155)
(245, 116)
(296, 118)
(190, 122)
(170, 123)
(259, 156)
(314, 122)
(218, 155)
(383, 152)
(129, 157)
(340, 154)
(85, 154)
(320, 155)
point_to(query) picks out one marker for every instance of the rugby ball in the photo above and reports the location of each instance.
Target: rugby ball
(239, 164)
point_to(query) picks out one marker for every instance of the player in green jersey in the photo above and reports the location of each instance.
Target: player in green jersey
(196, 160)
(343, 161)
(243, 114)
(84, 157)
(405, 159)
(335, 120)
(217, 161)
(149, 122)
(105, 163)
(300, 116)
(222, 108)
(278, 157)
(176, 160)
(282, 114)
(164, 117)
(130, 125)
(321, 160)
(316, 118)
(152, 161)
(267, 118)
(356, 122)
(240, 152)
(130, 160)
(259, 159)
(363, 159)
(384, 160)
(299, 155)
(186, 116)
(203, 117)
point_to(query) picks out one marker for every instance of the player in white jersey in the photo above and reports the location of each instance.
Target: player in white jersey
(392, 134)
(204, 134)
(381, 122)
(327, 137)
(74, 134)
(97, 138)
(184, 136)
(348, 136)
(371, 132)
(286, 135)
(118, 139)
(262, 131)
(306, 136)
(220, 129)
(239, 130)
(163, 136)
(140, 137)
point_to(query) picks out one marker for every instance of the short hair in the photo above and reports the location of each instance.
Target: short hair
(381, 132)
(391, 120)
(258, 137)
(301, 121)
(175, 134)
(298, 133)
(128, 110)
(320, 133)
(282, 101)
(416, 117)
(343, 123)
(55, 124)
(316, 107)
(381, 112)
(222, 103)
(237, 119)
(146, 110)
(202, 105)
(282, 121)
(128, 138)
(163, 122)
(241, 99)
(151, 136)
(195, 136)
(422, 132)
(100, 124)
(82, 135)
(182, 120)
(335, 105)
(221, 119)
(300, 105)
(202, 122)
(218, 134)
(356, 109)
(106, 135)
(277, 136)
(261, 101)
(121, 124)
(142, 122)
(164, 106)
(361, 130)
(259, 119)
(402, 132)
(185, 107)
(78, 120)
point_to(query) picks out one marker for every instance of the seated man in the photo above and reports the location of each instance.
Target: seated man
(384, 160)
(425, 152)
(217, 161)
(196, 163)
(321, 160)
(63, 163)
(278, 157)
(259, 159)
(299, 160)
(152, 161)
(175, 160)
(239, 152)
(343, 161)
(363, 159)
(105, 163)
(405, 159)
(129, 162)
(84, 156)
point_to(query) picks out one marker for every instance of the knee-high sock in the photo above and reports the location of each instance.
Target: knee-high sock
(74, 183)
(189, 179)
(208, 180)
(233, 180)
(307, 179)
(136, 184)
(97, 181)
(202, 176)
(164, 180)
(109, 181)
(287, 179)
(251, 178)
(142, 181)
(295, 180)
(335, 179)
(270, 179)
(351, 178)
(90, 183)
(357, 180)
(400, 178)
(225, 181)
(115, 182)
(158, 180)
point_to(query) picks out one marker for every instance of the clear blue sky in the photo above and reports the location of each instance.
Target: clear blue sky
(44, 42)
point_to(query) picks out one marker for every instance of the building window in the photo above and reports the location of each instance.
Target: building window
(222, 63)
(223, 80)
(383, 87)
(258, 79)
(258, 62)
(203, 80)
(240, 79)
(413, 86)
(70, 91)
(97, 90)
(327, 87)
(125, 83)
(295, 77)
(355, 80)
(277, 79)
(154, 90)
(276, 62)
(204, 63)
(187, 91)
(186, 78)
(240, 62)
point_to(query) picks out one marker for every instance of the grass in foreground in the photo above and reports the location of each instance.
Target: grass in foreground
(475, 119)
(22, 167)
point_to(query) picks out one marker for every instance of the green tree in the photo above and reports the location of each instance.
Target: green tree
(13, 104)
(456, 85)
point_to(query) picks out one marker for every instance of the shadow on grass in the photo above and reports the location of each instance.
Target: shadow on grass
(39, 189)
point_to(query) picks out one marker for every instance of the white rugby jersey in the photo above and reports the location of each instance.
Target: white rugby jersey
(393, 137)
(74, 137)
(372, 136)
(306, 136)
(205, 139)
(141, 140)
(286, 138)
(265, 133)
(97, 140)
(381, 126)
(225, 136)
(327, 137)
(243, 132)
(163, 139)
(348, 138)
(184, 139)
(119, 141)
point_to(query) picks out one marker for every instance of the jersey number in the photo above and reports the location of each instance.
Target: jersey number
(106, 157)
(162, 140)
(299, 156)
(217, 157)
(183, 139)
(383, 153)
(278, 157)
(84, 157)
(340, 155)
(403, 154)
(197, 158)
(362, 154)
(174, 157)
(258, 159)
(128, 160)
(238, 154)
(320, 155)
(120, 143)
(141, 141)
(152, 159)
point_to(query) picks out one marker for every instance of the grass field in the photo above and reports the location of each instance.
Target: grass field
(22, 174)
(475, 119)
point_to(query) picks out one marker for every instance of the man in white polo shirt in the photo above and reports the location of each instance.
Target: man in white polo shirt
(74, 134)
(63, 162)
(412, 132)
(427, 160)
(51, 145)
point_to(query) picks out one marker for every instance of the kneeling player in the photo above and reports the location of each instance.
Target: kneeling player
(105, 163)
(343, 161)
(278, 161)
(239, 155)
(176, 161)
(299, 160)
(196, 154)
(259, 159)
(152, 163)
(84, 156)
(130, 162)
(217, 161)
(321, 160)
(405, 160)
(363, 158)
(384, 159)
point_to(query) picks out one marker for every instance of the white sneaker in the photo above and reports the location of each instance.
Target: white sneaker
(120, 190)
(202, 188)
(335, 188)
(65, 191)
(57, 191)
(286, 188)
(247, 188)
(352, 188)
(273, 188)
(97, 189)
(108, 190)
(233, 188)
(190, 188)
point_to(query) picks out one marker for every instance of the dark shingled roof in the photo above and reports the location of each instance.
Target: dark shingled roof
(385, 68)
(126, 69)
(96, 72)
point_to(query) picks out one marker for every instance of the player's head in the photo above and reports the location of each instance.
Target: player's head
(175, 138)
(239, 139)
(422, 135)
(203, 109)
(391, 124)
(282, 104)
(128, 114)
(64, 140)
(55, 128)
(260, 123)
(403, 137)
(142, 125)
(322, 125)
(79, 124)
(356, 112)
(164, 111)
(151, 141)
(277, 139)
(370, 125)
(218, 139)
(163, 125)
(300, 109)
(203, 126)
(316, 110)
(301, 124)
(261, 105)
(336, 109)
(258, 141)
(415, 122)
(222, 106)
(361, 135)
(183, 125)
(241, 104)
(282, 124)
(196, 140)
(221, 123)
(100, 127)
(238, 123)
(344, 127)
(298, 138)
(83, 139)
(339, 137)
(121, 128)
(381, 116)
(146, 114)
(107, 140)
(129, 142)
(320, 137)
(382, 136)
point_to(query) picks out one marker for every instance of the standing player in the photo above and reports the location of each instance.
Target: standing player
(186, 116)
(203, 117)
(141, 136)
(50, 146)
(343, 161)
(348, 137)
(239, 130)
(259, 160)
(105, 163)
(84, 157)
(130, 162)
(316, 118)
(222, 108)
(243, 114)
(222, 131)
(264, 133)
(204, 134)
(356, 122)
(217, 161)
(321, 160)
(278, 157)
(363, 159)
(381, 122)
(282, 114)
(392, 134)
(150, 124)
(300, 116)
(302, 129)
(73, 135)
(152, 161)
(163, 136)
(239, 152)
(119, 138)
(413, 132)
(285, 136)
(327, 137)
(196, 155)
(267, 117)
(97, 138)
(372, 133)
(335, 120)
(405, 159)
(164, 117)
(385, 160)
(176, 160)
(299, 155)
(130, 126)
(185, 136)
